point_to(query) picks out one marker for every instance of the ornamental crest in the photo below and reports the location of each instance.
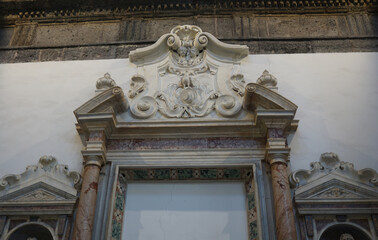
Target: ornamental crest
(185, 74)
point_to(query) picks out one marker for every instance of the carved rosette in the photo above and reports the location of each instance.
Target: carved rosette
(145, 107)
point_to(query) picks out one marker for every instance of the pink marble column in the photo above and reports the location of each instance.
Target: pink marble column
(93, 156)
(285, 225)
(87, 204)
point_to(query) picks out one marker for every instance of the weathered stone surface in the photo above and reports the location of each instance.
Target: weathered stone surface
(102, 52)
(256, 46)
(5, 35)
(232, 27)
(50, 55)
(77, 33)
(27, 55)
(72, 53)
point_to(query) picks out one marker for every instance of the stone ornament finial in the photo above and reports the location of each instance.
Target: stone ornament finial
(267, 80)
(346, 236)
(330, 163)
(48, 171)
(105, 82)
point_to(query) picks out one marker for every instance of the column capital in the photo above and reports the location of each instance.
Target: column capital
(277, 155)
(93, 158)
(94, 153)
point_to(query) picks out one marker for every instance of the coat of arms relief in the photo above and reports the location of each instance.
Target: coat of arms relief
(185, 74)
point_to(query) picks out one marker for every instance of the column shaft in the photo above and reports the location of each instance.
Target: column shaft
(87, 204)
(285, 225)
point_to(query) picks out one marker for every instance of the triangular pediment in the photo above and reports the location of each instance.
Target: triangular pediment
(46, 181)
(333, 187)
(38, 192)
(331, 179)
(111, 100)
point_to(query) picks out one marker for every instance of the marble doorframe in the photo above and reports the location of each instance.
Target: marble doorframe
(112, 186)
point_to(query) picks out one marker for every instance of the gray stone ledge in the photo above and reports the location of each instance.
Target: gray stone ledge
(122, 50)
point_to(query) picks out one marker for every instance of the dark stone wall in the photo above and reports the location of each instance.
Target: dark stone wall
(30, 37)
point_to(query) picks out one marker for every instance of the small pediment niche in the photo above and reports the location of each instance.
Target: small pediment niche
(189, 74)
(332, 179)
(46, 181)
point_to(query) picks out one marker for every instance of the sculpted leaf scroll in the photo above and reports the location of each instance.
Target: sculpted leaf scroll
(237, 83)
(137, 85)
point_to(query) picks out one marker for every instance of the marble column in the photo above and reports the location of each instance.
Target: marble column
(277, 155)
(93, 160)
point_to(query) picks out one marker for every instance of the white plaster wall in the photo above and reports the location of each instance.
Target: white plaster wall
(337, 96)
(195, 211)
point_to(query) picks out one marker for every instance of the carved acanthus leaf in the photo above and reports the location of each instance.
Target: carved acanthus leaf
(330, 164)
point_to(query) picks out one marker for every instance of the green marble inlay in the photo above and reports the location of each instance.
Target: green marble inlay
(251, 200)
(116, 230)
(140, 174)
(185, 173)
(208, 173)
(232, 173)
(162, 174)
(119, 203)
(253, 233)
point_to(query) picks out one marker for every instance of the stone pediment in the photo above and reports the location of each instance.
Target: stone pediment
(333, 187)
(187, 78)
(46, 181)
(331, 179)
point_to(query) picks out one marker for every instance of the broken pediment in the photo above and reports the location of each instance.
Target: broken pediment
(46, 181)
(187, 78)
(331, 179)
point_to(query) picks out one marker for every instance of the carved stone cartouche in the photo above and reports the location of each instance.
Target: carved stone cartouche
(188, 79)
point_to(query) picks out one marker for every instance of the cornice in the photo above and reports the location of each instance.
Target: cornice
(54, 11)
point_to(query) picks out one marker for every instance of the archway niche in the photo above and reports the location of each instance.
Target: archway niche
(31, 232)
(344, 232)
